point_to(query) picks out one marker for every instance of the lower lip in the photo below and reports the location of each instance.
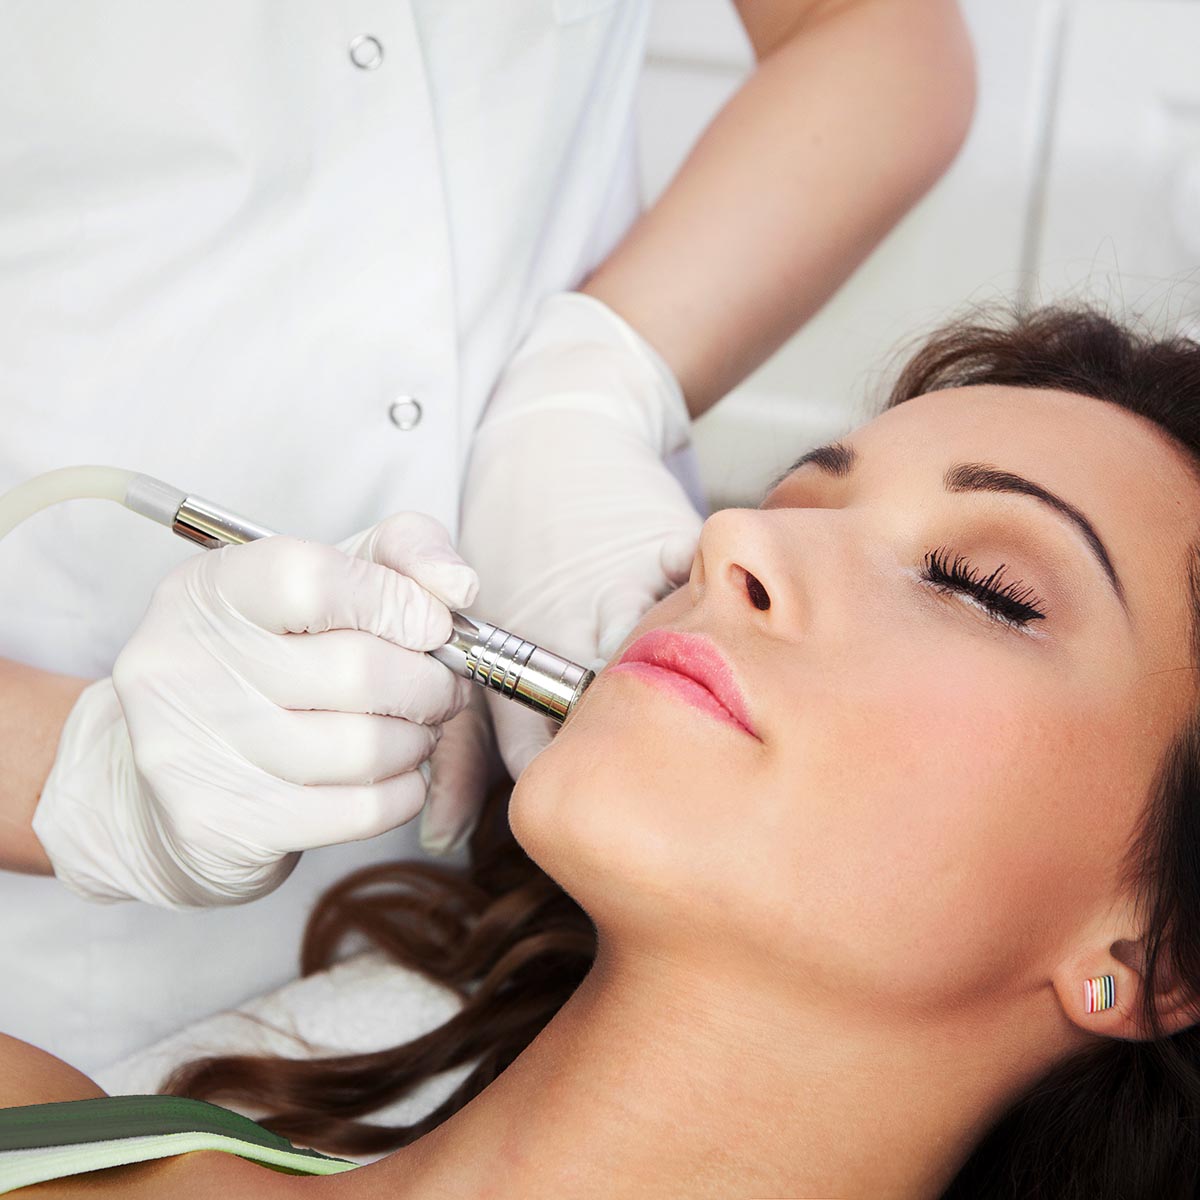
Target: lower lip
(685, 688)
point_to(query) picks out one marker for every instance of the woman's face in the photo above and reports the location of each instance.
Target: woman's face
(937, 800)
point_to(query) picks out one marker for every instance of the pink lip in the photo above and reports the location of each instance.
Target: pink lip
(691, 667)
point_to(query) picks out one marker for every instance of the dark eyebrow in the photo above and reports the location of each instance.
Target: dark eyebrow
(838, 459)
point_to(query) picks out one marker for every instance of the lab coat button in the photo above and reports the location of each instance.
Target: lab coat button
(405, 413)
(366, 52)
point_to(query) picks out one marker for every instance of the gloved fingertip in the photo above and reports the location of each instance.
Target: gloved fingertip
(517, 758)
(439, 842)
(463, 837)
(611, 638)
(435, 846)
(677, 554)
(453, 582)
(433, 841)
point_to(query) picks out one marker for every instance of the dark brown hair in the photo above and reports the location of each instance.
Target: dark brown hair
(1117, 1121)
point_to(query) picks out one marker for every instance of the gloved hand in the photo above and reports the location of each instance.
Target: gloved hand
(571, 519)
(275, 697)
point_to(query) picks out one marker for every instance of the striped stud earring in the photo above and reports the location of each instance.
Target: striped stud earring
(1099, 993)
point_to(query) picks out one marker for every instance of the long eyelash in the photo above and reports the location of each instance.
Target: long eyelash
(1011, 603)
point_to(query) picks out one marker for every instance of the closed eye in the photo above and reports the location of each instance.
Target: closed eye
(1009, 603)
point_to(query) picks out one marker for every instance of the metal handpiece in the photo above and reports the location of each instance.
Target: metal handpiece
(517, 669)
(485, 654)
(210, 526)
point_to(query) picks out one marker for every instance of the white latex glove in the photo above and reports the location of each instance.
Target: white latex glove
(275, 697)
(571, 518)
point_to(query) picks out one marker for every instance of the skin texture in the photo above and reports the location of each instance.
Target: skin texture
(829, 959)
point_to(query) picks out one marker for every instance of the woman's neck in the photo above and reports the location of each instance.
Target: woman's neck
(648, 1082)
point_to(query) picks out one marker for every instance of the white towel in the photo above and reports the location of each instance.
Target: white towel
(362, 1004)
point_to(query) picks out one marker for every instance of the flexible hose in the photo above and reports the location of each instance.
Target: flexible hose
(67, 483)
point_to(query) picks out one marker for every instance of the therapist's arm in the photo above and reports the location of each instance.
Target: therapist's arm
(33, 708)
(855, 109)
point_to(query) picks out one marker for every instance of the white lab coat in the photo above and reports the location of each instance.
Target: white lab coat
(226, 251)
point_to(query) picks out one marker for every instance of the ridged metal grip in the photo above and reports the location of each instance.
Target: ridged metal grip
(517, 669)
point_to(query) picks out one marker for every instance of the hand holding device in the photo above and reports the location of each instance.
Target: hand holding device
(569, 515)
(277, 696)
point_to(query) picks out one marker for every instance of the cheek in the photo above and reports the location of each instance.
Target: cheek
(947, 814)
(634, 807)
(926, 822)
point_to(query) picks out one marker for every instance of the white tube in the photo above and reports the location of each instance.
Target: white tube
(154, 499)
(67, 483)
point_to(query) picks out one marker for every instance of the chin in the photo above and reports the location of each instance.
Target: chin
(557, 812)
(608, 811)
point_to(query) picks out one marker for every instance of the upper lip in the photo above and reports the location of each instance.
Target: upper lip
(696, 657)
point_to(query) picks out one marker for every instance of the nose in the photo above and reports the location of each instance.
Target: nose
(736, 563)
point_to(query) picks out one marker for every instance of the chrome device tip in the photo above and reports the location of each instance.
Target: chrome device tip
(519, 670)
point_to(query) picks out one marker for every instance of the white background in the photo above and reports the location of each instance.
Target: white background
(1080, 179)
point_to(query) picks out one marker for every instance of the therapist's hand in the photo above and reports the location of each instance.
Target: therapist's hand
(571, 518)
(275, 697)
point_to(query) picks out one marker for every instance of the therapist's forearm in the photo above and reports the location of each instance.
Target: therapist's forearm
(854, 111)
(33, 708)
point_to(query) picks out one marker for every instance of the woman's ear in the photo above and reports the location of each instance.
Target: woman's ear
(1081, 984)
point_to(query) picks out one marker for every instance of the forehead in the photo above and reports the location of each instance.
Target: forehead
(1090, 449)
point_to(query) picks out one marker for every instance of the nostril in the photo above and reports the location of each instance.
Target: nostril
(758, 593)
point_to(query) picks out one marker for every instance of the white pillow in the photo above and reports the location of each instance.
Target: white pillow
(362, 1004)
